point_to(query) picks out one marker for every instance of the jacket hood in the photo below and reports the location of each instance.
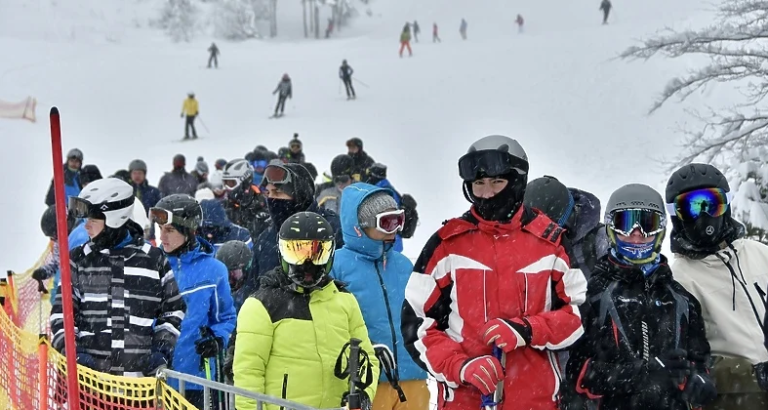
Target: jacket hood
(588, 206)
(214, 214)
(203, 250)
(355, 238)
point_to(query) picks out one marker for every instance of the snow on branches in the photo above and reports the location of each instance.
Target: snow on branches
(179, 19)
(236, 20)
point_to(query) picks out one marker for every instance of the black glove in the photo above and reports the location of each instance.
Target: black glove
(181, 115)
(40, 274)
(208, 346)
(365, 401)
(761, 374)
(154, 362)
(673, 363)
(699, 390)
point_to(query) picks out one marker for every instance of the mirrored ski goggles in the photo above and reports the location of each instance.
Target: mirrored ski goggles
(164, 217)
(301, 251)
(82, 208)
(260, 164)
(491, 163)
(624, 222)
(391, 221)
(276, 175)
(690, 205)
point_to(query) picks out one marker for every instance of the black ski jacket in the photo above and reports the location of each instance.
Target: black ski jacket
(628, 317)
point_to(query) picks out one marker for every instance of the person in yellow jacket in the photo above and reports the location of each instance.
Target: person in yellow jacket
(191, 110)
(292, 332)
(405, 40)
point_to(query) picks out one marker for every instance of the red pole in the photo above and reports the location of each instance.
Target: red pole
(70, 350)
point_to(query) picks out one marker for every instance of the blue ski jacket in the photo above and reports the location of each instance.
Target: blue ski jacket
(377, 277)
(204, 284)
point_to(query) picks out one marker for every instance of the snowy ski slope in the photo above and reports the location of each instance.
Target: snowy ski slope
(580, 114)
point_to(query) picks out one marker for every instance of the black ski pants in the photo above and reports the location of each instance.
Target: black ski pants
(280, 104)
(606, 12)
(190, 124)
(349, 87)
(213, 59)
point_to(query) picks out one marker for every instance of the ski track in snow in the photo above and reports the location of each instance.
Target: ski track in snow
(580, 114)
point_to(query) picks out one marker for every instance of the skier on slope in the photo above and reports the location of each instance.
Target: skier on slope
(463, 29)
(416, 31)
(496, 277)
(284, 90)
(728, 274)
(214, 57)
(405, 40)
(191, 109)
(606, 6)
(644, 345)
(345, 73)
(520, 22)
(435, 37)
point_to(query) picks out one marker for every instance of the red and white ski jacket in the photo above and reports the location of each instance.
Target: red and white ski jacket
(472, 271)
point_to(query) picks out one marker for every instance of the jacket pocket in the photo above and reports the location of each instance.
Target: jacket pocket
(284, 393)
(734, 375)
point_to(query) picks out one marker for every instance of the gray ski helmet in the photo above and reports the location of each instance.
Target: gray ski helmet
(694, 176)
(235, 255)
(137, 165)
(632, 197)
(76, 154)
(493, 155)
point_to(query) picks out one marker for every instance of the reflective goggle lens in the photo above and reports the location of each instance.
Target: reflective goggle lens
(160, 216)
(261, 164)
(390, 222)
(625, 221)
(300, 251)
(78, 208)
(711, 201)
(489, 164)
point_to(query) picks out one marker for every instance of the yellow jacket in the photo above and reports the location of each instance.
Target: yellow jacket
(190, 107)
(287, 344)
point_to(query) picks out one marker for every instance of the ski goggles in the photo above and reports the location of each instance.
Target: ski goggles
(625, 221)
(81, 208)
(164, 217)
(301, 251)
(490, 163)
(260, 164)
(690, 205)
(277, 175)
(391, 221)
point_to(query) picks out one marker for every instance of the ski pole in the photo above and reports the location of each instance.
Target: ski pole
(203, 124)
(223, 397)
(353, 400)
(492, 401)
(361, 83)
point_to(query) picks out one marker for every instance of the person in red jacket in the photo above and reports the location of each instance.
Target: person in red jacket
(492, 296)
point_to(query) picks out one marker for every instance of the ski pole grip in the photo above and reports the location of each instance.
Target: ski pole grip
(353, 400)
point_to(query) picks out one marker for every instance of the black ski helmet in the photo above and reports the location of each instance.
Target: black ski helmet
(298, 228)
(235, 255)
(49, 225)
(550, 196)
(342, 165)
(187, 213)
(695, 176)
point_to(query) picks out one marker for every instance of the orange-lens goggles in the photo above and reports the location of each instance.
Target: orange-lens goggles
(301, 251)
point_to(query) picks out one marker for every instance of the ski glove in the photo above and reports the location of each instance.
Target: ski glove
(699, 390)
(365, 401)
(40, 274)
(208, 346)
(385, 356)
(761, 374)
(673, 363)
(86, 360)
(155, 362)
(508, 335)
(483, 372)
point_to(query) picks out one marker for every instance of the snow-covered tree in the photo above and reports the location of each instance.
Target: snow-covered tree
(179, 19)
(735, 45)
(237, 20)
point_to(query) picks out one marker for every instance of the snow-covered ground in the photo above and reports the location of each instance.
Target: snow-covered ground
(580, 114)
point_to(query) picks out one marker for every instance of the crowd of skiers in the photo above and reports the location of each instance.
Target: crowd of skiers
(530, 300)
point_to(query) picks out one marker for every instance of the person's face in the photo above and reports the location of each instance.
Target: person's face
(636, 238)
(377, 235)
(488, 187)
(353, 149)
(171, 238)
(295, 148)
(274, 192)
(94, 227)
(74, 163)
(138, 177)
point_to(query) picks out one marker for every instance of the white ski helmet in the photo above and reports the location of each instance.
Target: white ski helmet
(109, 198)
(237, 172)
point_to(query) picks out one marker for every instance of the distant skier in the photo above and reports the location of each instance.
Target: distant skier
(214, 57)
(345, 73)
(405, 40)
(435, 37)
(520, 22)
(285, 90)
(463, 29)
(329, 28)
(191, 109)
(416, 31)
(606, 6)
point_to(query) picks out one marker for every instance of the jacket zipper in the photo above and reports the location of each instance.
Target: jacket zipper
(285, 389)
(389, 316)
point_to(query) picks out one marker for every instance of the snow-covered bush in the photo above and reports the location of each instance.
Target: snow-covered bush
(237, 19)
(750, 202)
(179, 19)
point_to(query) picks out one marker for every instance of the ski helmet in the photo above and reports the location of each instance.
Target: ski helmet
(695, 176)
(306, 246)
(550, 196)
(181, 211)
(236, 256)
(49, 225)
(342, 166)
(238, 172)
(109, 199)
(636, 206)
(137, 165)
(75, 153)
